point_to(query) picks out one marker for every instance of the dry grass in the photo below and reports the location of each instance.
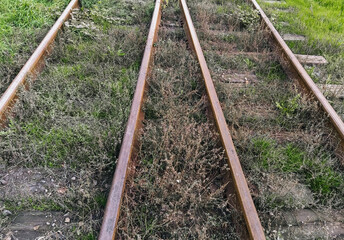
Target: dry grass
(178, 189)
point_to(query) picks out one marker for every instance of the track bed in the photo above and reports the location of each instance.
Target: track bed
(177, 172)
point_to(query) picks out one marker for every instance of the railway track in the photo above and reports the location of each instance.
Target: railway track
(156, 110)
(115, 196)
(252, 221)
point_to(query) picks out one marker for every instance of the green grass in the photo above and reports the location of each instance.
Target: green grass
(89, 236)
(323, 178)
(322, 24)
(24, 18)
(289, 106)
(23, 25)
(321, 19)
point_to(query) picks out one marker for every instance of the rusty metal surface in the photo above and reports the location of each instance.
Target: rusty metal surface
(307, 80)
(252, 220)
(113, 206)
(34, 64)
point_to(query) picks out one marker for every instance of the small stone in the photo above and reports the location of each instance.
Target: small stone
(3, 182)
(6, 213)
(48, 223)
(95, 183)
(36, 227)
(164, 207)
(67, 220)
(73, 178)
(62, 190)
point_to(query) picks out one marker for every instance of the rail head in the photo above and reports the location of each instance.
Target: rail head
(33, 64)
(253, 223)
(113, 205)
(302, 73)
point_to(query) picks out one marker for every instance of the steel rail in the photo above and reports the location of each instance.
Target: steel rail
(34, 65)
(253, 223)
(306, 79)
(113, 206)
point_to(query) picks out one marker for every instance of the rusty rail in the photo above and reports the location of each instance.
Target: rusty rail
(34, 65)
(113, 206)
(253, 223)
(303, 75)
